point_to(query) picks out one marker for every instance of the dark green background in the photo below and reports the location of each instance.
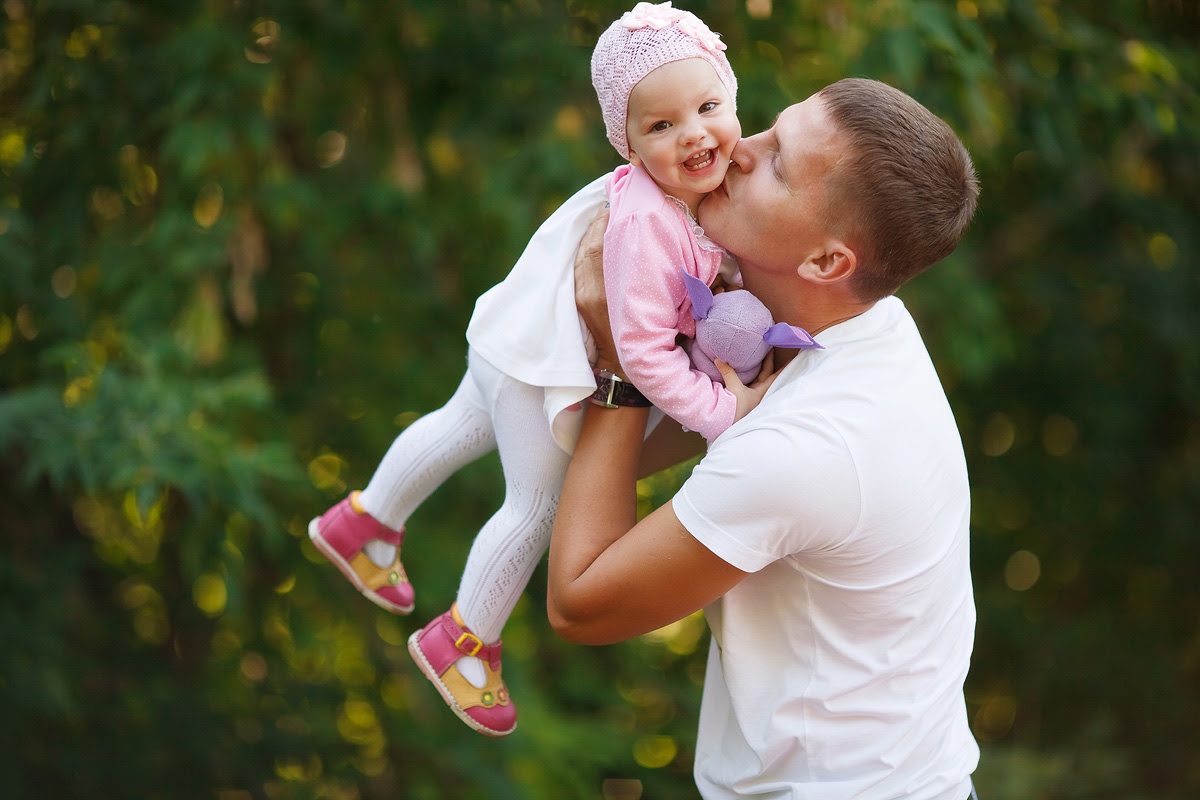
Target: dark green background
(239, 245)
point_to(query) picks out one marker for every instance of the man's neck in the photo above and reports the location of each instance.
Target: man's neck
(856, 310)
(812, 305)
(783, 356)
(813, 312)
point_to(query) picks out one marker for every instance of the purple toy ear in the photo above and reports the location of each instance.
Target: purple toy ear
(783, 335)
(700, 295)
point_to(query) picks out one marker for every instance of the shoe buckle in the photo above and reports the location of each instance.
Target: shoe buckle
(468, 643)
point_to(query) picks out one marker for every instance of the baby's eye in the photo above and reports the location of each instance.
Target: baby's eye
(706, 107)
(660, 126)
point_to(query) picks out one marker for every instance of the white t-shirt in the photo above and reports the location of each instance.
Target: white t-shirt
(836, 669)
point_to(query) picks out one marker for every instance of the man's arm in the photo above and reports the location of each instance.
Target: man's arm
(612, 577)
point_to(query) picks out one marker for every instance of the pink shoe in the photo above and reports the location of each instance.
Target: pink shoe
(340, 535)
(437, 647)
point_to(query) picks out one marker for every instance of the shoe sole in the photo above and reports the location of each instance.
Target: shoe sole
(414, 649)
(314, 535)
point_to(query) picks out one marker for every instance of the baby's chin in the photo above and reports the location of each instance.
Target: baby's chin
(711, 183)
(695, 188)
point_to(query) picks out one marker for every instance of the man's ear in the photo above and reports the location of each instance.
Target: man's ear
(835, 262)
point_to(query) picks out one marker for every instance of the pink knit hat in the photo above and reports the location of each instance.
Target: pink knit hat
(640, 42)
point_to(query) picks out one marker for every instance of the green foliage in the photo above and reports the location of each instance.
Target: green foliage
(239, 243)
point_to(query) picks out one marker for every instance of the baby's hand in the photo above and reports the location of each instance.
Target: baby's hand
(748, 397)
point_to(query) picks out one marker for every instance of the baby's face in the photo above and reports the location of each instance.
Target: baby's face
(682, 128)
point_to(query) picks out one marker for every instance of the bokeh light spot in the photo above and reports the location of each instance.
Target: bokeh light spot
(1022, 570)
(654, 752)
(1163, 251)
(209, 594)
(209, 203)
(1059, 435)
(998, 435)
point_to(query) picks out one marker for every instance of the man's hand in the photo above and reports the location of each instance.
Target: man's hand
(748, 397)
(590, 298)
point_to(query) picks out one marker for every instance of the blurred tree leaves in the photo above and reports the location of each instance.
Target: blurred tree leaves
(239, 243)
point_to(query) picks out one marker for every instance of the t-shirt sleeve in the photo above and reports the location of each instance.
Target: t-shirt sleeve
(644, 259)
(767, 491)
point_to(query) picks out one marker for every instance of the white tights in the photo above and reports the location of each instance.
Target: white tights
(488, 410)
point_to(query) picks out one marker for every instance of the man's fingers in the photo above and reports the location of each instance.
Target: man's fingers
(593, 237)
(589, 290)
(589, 272)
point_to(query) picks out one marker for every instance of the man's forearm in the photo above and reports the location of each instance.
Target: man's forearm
(597, 507)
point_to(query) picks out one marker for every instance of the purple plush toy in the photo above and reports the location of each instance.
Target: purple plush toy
(736, 328)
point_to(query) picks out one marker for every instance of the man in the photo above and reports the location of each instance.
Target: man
(826, 533)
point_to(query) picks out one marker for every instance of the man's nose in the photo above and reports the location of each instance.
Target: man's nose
(743, 154)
